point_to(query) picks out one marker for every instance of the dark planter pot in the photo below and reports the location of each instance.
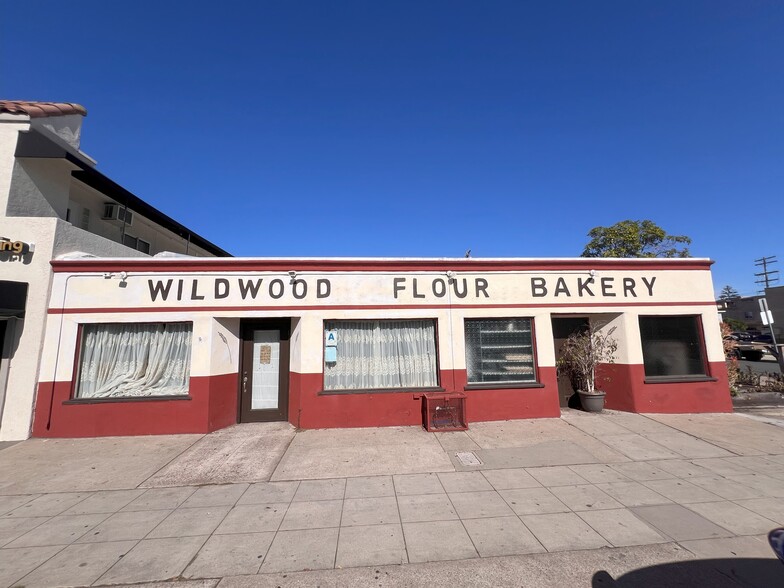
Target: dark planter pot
(592, 402)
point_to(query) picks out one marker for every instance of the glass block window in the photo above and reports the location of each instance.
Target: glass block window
(499, 350)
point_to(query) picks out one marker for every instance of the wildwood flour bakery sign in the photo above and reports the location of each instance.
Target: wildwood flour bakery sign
(495, 288)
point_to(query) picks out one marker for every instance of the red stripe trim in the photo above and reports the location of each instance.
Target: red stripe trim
(325, 265)
(355, 307)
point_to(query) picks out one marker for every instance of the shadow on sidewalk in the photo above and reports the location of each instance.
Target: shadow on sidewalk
(716, 573)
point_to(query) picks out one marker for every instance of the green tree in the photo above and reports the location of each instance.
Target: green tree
(635, 239)
(736, 325)
(728, 293)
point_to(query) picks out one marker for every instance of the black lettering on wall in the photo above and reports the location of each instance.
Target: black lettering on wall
(584, 286)
(561, 288)
(398, 285)
(158, 288)
(195, 291)
(221, 288)
(417, 294)
(607, 286)
(179, 289)
(649, 285)
(273, 285)
(439, 288)
(538, 287)
(458, 293)
(323, 288)
(628, 287)
(303, 290)
(247, 286)
(481, 286)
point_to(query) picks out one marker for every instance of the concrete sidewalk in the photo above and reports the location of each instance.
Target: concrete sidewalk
(611, 499)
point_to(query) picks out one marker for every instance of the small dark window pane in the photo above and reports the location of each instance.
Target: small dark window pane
(143, 246)
(499, 350)
(129, 241)
(672, 346)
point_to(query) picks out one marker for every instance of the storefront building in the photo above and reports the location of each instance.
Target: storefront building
(152, 346)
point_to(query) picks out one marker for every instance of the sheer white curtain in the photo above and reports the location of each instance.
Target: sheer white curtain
(382, 354)
(120, 360)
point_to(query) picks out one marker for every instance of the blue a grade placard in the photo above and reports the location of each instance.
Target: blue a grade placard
(331, 339)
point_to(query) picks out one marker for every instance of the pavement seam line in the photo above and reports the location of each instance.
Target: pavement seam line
(400, 518)
(704, 440)
(64, 547)
(282, 457)
(140, 484)
(340, 524)
(762, 419)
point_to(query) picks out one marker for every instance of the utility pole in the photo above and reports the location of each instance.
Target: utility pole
(767, 277)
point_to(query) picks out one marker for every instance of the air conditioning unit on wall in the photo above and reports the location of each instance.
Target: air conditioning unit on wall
(116, 213)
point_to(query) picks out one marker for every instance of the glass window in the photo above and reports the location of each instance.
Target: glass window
(672, 346)
(499, 350)
(380, 354)
(128, 360)
(130, 241)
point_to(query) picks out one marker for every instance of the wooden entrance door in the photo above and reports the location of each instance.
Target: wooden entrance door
(264, 373)
(562, 328)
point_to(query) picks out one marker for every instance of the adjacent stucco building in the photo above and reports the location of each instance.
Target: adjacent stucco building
(54, 201)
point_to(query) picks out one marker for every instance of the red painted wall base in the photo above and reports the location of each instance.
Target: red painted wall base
(627, 390)
(212, 405)
(319, 410)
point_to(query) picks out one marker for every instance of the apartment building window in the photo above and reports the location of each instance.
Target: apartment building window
(136, 243)
(130, 241)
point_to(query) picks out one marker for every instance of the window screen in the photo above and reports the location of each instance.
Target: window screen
(499, 350)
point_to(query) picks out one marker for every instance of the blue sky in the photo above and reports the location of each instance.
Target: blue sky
(422, 129)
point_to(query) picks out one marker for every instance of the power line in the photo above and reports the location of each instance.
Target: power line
(767, 277)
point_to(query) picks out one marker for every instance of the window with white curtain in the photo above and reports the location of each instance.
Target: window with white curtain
(126, 360)
(381, 354)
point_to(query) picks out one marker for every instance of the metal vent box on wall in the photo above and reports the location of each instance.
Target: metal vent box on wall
(444, 412)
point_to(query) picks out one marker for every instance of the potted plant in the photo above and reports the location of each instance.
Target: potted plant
(582, 352)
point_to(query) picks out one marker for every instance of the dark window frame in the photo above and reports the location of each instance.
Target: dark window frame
(78, 355)
(705, 376)
(520, 384)
(336, 391)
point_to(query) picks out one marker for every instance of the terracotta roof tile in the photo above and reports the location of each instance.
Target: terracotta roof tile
(41, 109)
